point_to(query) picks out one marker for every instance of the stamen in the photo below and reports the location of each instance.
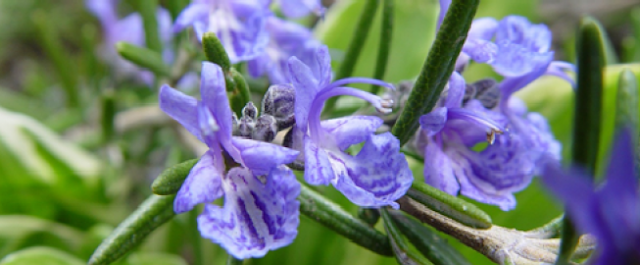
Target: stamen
(491, 135)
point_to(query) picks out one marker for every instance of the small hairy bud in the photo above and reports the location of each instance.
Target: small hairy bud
(245, 127)
(250, 111)
(279, 102)
(265, 128)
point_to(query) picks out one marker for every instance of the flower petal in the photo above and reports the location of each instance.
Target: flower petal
(377, 176)
(351, 130)
(192, 13)
(483, 28)
(256, 217)
(181, 108)
(455, 94)
(202, 185)
(299, 8)
(214, 96)
(317, 167)
(261, 157)
(434, 121)
(438, 169)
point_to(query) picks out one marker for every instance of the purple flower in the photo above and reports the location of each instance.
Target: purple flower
(129, 29)
(299, 8)
(240, 25)
(286, 39)
(451, 132)
(378, 174)
(612, 212)
(513, 46)
(260, 210)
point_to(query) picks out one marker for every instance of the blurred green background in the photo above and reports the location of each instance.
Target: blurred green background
(67, 178)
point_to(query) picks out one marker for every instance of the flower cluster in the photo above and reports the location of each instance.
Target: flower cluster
(469, 114)
(260, 210)
(610, 213)
(250, 32)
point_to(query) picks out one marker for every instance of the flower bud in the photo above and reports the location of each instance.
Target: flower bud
(487, 92)
(245, 127)
(279, 102)
(250, 111)
(265, 128)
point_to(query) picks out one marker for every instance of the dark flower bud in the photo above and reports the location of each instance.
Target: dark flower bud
(245, 127)
(487, 92)
(469, 93)
(265, 128)
(279, 102)
(250, 111)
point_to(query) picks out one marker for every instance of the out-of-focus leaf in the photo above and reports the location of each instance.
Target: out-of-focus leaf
(40, 256)
(153, 212)
(154, 259)
(17, 231)
(41, 152)
(143, 57)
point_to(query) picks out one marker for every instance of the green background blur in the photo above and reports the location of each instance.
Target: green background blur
(64, 186)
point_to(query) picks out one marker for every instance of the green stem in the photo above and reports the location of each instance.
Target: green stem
(386, 32)
(329, 214)
(233, 261)
(355, 47)
(587, 115)
(437, 68)
(53, 48)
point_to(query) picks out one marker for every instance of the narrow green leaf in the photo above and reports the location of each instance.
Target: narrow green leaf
(143, 57)
(176, 6)
(403, 254)
(627, 101)
(437, 68)
(171, 179)
(148, 9)
(215, 52)
(386, 32)
(329, 214)
(53, 48)
(41, 256)
(356, 45)
(240, 95)
(368, 215)
(151, 214)
(429, 243)
(587, 117)
(451, 206)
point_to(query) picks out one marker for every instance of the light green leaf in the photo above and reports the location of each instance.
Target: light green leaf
(154, 259)
(41, 151)
(40, 256)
